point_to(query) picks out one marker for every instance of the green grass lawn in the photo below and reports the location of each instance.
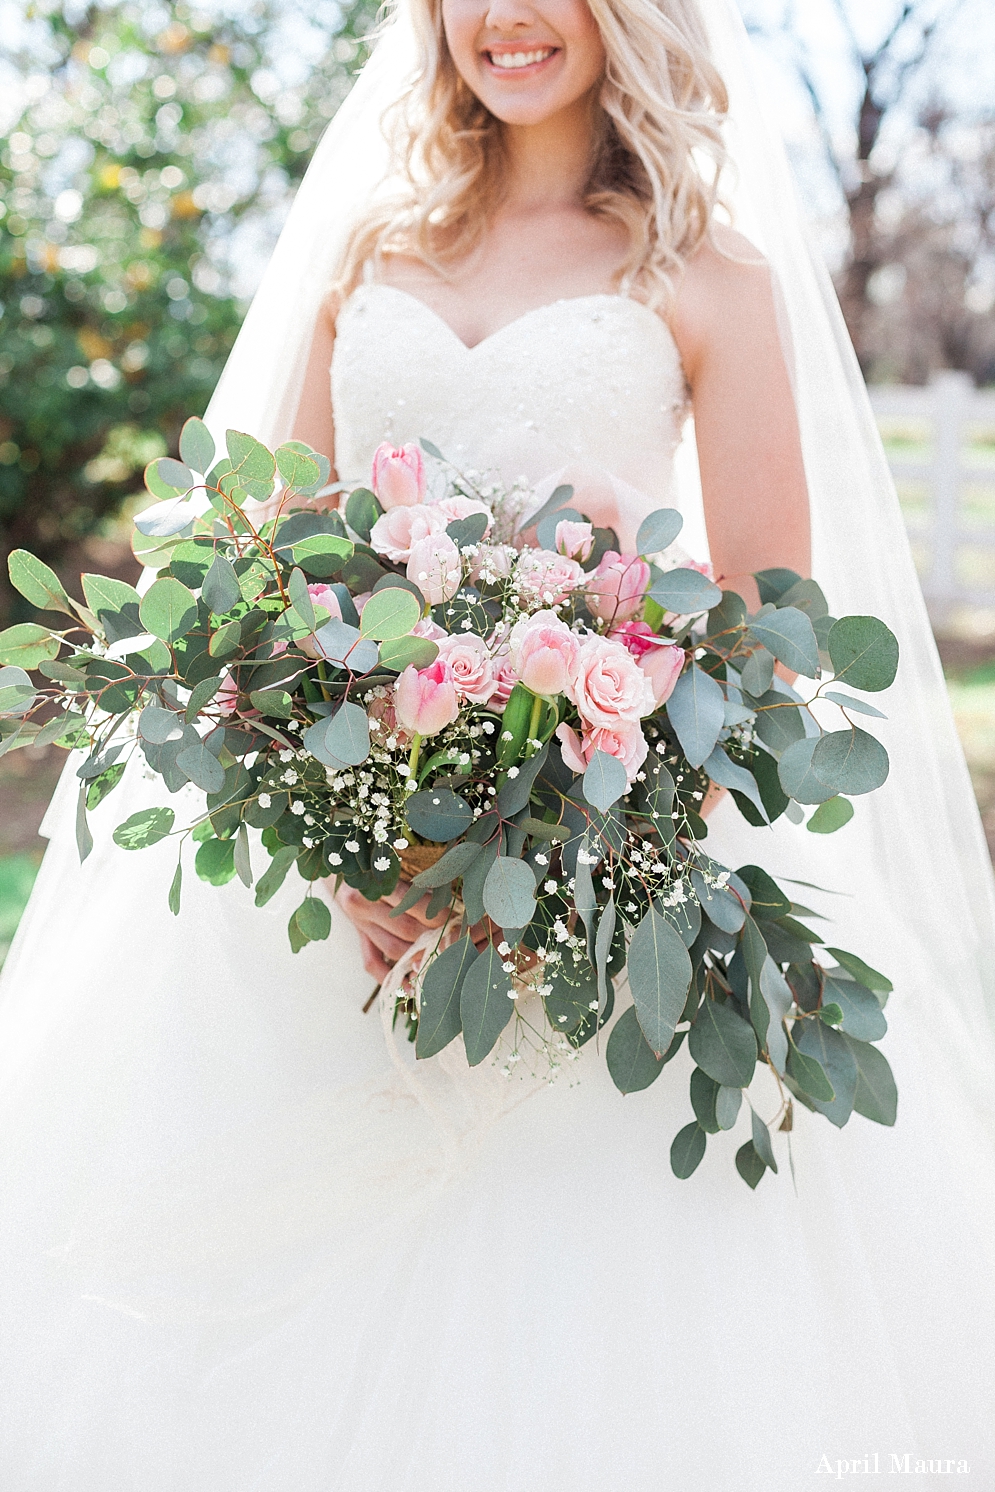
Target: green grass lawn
(17, 876)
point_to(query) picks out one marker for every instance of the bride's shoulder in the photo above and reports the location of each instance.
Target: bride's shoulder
(725, 292)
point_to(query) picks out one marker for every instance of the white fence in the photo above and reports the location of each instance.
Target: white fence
(947, 484)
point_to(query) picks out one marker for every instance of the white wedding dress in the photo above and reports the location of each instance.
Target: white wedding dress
(256, 1250)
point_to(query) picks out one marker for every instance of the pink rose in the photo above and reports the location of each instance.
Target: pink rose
(608, 685)
(425, 698)
(398, 476)
(575, 540)
(399, 529)
(543, 653)
(428, 629)
(624, 741)
(662, 665)
(616, 591)
(470, 662)
(435, 566)
(455, 508)
(546, 576)
(505, 678)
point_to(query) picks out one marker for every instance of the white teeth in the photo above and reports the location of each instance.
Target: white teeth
(510, 60)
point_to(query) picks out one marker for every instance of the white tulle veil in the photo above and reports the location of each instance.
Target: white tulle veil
(913, 862)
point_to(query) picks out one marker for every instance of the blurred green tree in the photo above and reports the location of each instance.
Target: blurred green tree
(151, 155)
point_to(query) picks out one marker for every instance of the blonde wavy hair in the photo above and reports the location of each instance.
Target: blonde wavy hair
(657, 156)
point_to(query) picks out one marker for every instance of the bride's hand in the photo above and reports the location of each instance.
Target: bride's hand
(385, 939)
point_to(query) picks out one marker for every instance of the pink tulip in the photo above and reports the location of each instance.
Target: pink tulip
(662, 665)
(435, 566)
(398, 476)
(425, 698)
(624, 741)
(575, 540)
(543, 653)
(615, 592)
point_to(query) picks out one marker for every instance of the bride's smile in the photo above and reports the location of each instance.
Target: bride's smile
(525, 63)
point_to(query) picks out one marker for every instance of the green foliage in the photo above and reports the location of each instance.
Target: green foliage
(115, 272)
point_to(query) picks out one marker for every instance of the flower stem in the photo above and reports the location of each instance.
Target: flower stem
(534, 719)
(413, 758)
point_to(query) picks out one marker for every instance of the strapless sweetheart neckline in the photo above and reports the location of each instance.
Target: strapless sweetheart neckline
(573, 301)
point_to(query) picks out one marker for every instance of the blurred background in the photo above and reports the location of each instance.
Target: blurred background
(149, 153)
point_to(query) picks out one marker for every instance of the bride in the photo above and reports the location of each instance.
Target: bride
(245, 1241)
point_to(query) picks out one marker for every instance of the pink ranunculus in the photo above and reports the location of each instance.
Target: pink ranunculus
(425, 699)
(575, 540)
(470, 662)
(662, 665)
(398, 476)
(547, 577)
(543, 653)
(608, 686)
(435, 566)
(399, 529)
(455, 508)
(638, 637)
(624, 741)
(616, 590)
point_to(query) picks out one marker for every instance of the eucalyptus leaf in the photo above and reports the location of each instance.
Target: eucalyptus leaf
(37, 583)
(727, 773)
(196, 445)
(509, 893)
(158, 725)
(749, 1165)
(348, 734)
(761, 1141)
(403, 652)
(687, 1150)
(439, 1020)
(864, 653)
(685, 592)
(203, 769)
(450, 865)
(850, 761)
(876, 1096)
(84, 839)
(168, 609)
(863, 973)
(830, 816)
(144, 828)
(658, 530)
(243, 862)
(440, 814)
(758, 672)
(797, 774)
(26, 645)
(723, 1044)
(720, 905)
(221, 589)
(602, 950)
(516, 791)
(809, 1075)
(861, 1013)
(605, 780)
(704, 1091)
(557, 500)
(362, 511)
(788, 634)
(163, 519)
(659, 970)
(847, 702)
(829, 1048)
(696, 709)
(728, 1102)
(485, 1004)
(389, 615)
(632, 1063)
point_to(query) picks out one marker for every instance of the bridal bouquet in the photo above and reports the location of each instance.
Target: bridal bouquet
(527, 731)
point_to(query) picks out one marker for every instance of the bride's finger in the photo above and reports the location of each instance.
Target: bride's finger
(373, 961)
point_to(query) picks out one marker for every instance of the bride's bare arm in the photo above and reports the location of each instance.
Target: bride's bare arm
(749, 448)
(314, 423)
